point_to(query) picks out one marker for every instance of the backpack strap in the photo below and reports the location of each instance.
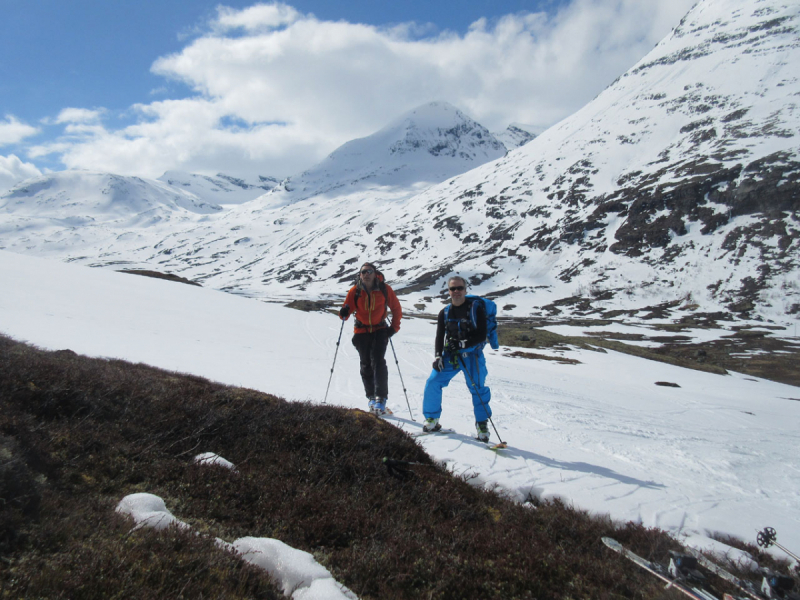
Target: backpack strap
(381, 287)
(473, 311)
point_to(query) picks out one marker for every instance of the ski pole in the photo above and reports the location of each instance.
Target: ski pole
(502, 444)
(334, 363)
(767, 537)
(401, 380)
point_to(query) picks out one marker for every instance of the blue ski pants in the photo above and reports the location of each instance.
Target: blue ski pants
(475, 377)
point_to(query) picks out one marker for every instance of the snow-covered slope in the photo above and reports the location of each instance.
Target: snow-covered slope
(617, 445)
(221, 188)
(98, 197)
(424, 146)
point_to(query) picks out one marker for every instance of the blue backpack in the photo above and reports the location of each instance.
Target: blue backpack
(490, 308)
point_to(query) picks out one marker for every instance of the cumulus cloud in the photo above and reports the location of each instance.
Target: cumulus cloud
(12, 131)
(275, 90)
(13, 170)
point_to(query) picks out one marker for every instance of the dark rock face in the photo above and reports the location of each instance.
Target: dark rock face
(768, 187)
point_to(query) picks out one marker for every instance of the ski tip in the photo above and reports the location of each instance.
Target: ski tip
(612, 543)
(499, 446)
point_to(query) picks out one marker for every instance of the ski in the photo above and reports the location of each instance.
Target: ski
(490, 446)
(746, 586)
(443, 430)
(773, 585)
(657, 570)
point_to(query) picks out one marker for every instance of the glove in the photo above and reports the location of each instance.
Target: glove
(391, 332)
(344, 312)
(453, 345)
(438, 365)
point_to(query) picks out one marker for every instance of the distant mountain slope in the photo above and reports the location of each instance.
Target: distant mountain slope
(421, 148)
(73, 210)
(221, 188)
(102, 195)
(427, 145)
(515, 136)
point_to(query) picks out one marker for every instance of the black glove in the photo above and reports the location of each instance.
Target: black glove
(453, 345)
(438, 365)
(344, 312)
(391, 332)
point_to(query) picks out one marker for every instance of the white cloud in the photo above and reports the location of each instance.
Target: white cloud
(13, 170)
(262, 17)
(276, 90)
(79, 115)
(13, 131)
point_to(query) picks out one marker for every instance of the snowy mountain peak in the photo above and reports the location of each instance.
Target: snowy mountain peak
(517, 135)
(441, 130)
(426, 145)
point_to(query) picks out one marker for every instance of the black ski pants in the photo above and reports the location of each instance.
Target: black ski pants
(371, 351)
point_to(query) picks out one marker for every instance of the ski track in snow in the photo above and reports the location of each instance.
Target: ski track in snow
(717, 454)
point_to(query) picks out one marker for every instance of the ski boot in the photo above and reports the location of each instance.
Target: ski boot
(483, 430)
(431, 425)
(371, 405)
(380, 406)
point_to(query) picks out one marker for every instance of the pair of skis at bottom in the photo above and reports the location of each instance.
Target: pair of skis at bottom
(672, 576)
(447, 431)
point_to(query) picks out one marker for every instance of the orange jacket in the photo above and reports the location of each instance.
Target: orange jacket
(371, 309)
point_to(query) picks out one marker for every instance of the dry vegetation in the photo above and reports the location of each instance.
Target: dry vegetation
(754, 352)
(78, 434)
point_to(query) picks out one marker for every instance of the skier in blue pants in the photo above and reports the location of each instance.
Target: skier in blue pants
(459, 346)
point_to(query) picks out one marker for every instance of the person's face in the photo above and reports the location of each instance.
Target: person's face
(367, 276)
(457, 290)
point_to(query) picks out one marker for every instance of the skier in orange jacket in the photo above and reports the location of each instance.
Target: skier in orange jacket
(371, 300)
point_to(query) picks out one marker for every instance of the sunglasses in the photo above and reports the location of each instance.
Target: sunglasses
(367, 271)
(457, 288)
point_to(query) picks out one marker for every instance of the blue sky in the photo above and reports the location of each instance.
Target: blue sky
(146, 86)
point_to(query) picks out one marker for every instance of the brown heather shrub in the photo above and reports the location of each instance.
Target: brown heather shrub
(783, 565)
(78, 434)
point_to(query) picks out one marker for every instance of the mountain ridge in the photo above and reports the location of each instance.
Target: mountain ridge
(220, 188)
